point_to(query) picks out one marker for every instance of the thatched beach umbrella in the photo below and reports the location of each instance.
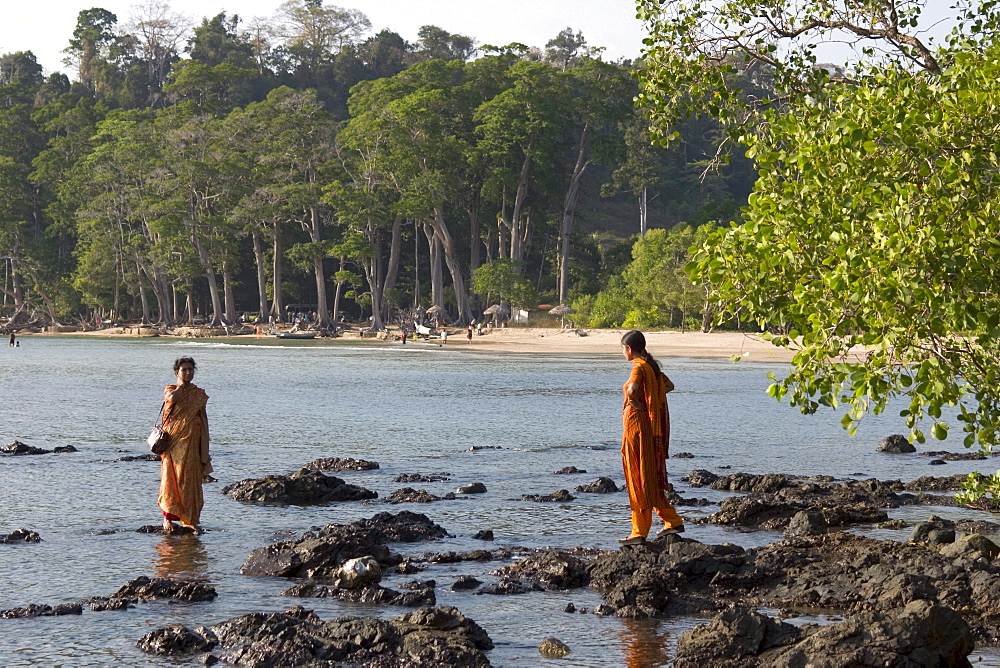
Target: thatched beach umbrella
(435, 312)
(562, 311)
(496, 311)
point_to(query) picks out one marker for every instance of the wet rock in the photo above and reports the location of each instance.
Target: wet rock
(465, 583)
(320, 553)
(569, 608)
(955, 456)
(472, 488)
(508, 587)
(599, 486)
(64, 449)
(678, 500)
(972, 546)
(456, 557)
(746, 482)
(410, 495)
(103, 604)
(549, 570)
(177, 640)
(935, 531)
(371, 593)
(733, 639)
(935, 484)
(21, 536)
(358, 573)
(977, 526)
(139, 458)
(895, 444)
(568, 469)
(19, 448)
(937, 462)
(420, 477)
(305, 487)
(341, 464)
(700, 478)
(892, 524)
(603, 610)
(148, 589)
(556, 497)
(806, 523)
(553, 648)
(158, 529)
(682, 455)
(484, 534)
(477, 448)
(438, 636)
(35, 610)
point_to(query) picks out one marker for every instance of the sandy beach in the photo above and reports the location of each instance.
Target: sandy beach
(713, 345)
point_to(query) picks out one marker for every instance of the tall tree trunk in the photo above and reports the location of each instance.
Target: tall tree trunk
(454, 267)
(643, 212)
(258, 256)
(189, 304)
(475, 226)
(227, 289)
(437, 272)
(395, 250)
(516, 233)
(336, 296)
(142, 293)
(277, 305)
(569, 209)
(315, 235)
(416, 264)
(213, 286)
(176, 304)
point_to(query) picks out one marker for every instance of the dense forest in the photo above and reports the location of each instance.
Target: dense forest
(304, 163)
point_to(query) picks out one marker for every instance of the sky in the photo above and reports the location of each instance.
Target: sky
(47, 28)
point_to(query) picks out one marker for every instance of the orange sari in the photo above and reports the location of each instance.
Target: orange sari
(646, 439)
(186, 461)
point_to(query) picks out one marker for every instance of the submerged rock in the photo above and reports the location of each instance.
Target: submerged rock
(700, 478)
(438, 636)
(371, 593)
(35, 610)
(955, 456)
(806, 523)
(420, 477)
(65, 448)
(410, 495)
(19, 448)
(139, 458)
(549, 570)
(553, 648)
(568, 469)
(21, 536)
(465, 583)
(599, 486)
(305, 487)
(483, 534)
(556, 497)
(321, 553)
(148, 589)
(895, 444)
(341, 464)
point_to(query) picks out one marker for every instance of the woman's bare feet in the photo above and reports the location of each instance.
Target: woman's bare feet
(196, 530)
(168, 526)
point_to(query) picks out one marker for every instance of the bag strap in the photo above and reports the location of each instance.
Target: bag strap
(159, 419)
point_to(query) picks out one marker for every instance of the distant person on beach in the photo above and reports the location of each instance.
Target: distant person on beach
(187, 461)
(645, 442)
(403, 336)
(468, 335)
(11, 344)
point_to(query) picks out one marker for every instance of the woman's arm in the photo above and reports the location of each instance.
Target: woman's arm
(172, 393)
(667, 384)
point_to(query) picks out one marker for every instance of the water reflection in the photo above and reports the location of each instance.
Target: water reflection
(643, 643)
(181, 557)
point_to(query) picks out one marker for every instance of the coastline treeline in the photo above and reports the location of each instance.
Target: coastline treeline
(299, 161)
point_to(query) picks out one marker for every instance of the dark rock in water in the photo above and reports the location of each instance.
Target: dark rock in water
(177, 640)
(548, 570)
(158, 529)
(484, 534)
(420, 477)
(603, 610)
(35, 610)
(472, 488)
(456, 557)
(148, 589)
(19, 448)
(569, 608)
(892, 524)
(65, 448)
(568, 469)
(935, 531)
(305, 487)
(341, 464)
(895, 444)
(410, 495)
(977, 526)
(937, 484)
(322, 552)
(920, 634)
(746, 482)
(937, 462)
(103, 604)
(677, 500)
(438, 636)
(465, 583)
(971, 546)
(955, 456)
(477, 448)
(599, 486)
(700, 478)
(556, 497)
(139, 458)
(553, 648)
(372, 593)
(806, 523)
(21, 536)
(682, 455)
(508, 587)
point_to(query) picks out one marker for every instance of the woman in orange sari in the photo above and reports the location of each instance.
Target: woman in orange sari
(645, 442)
(186, 461)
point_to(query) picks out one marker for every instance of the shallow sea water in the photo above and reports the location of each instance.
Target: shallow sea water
(415, 409)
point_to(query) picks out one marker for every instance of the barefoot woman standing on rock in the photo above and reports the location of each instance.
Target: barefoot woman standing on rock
(186, 460)
(646, 439)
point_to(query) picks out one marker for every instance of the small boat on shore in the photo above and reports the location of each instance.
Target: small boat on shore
(296, 335)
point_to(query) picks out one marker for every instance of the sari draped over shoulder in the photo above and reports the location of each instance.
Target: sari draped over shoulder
(646, 438)
(187, 459)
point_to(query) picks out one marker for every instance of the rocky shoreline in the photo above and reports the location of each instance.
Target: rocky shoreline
(929, 600)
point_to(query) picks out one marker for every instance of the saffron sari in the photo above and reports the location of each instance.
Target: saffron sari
(646, 438)
(186, 460)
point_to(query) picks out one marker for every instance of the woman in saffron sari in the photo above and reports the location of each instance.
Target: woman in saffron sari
(645, 442)
(186, 460)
